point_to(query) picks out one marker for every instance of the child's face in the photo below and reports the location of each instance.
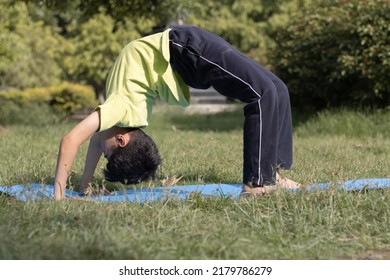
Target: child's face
(113, 138)
(108, 142)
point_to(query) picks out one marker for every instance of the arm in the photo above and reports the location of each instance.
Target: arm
(68, 150)
(93, 156)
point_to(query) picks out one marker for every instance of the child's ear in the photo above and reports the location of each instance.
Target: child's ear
(122, 140)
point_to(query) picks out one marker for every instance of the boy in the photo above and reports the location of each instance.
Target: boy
(164, 65)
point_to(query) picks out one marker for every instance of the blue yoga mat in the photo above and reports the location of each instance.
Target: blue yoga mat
(39, 191)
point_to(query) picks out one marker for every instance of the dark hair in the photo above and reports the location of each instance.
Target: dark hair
(134, 163)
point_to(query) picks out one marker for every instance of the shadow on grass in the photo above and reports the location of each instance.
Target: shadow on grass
(224, 121)
(189, 178)
(193, 178)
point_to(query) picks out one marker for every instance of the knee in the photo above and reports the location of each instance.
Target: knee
(269, 88)
(281, 87)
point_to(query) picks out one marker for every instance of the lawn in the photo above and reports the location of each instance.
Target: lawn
(329, 147)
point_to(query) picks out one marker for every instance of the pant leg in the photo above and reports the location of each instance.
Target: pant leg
(204, 58)
(285, 146)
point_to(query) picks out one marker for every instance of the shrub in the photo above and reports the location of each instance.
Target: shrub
(67, 98)
(55, 102)
(336, 54)
(34, 114)
(30, 50)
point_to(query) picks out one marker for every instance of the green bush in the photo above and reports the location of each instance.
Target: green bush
(34, 114)
(30, 50)
(336, 53)
(67, 98)
(35, 104)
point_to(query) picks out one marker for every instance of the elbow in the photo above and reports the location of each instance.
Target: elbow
(67, 143)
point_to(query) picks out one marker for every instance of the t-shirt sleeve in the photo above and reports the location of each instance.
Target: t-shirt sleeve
(121, 110)
(173, 89)
(112, 112)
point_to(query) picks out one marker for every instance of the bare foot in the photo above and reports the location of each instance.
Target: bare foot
(256, 191)
(286, 183)
(281, 183)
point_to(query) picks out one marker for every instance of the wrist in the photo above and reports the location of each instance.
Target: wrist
(59, 192)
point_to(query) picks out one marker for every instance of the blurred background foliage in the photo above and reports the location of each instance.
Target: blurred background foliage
(336, 54)
(331, 53)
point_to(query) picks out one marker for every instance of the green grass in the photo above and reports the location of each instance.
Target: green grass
(329, 147)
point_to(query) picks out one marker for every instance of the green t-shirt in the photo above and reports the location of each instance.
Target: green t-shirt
(140, 74)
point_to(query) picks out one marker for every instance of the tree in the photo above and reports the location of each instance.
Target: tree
(337, 54)
(87, 41)
(88, 34)
(64, 12)
(241, 23)
(94, 48)
(29, 50)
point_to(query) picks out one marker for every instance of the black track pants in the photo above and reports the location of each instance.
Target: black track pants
(203, 59)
